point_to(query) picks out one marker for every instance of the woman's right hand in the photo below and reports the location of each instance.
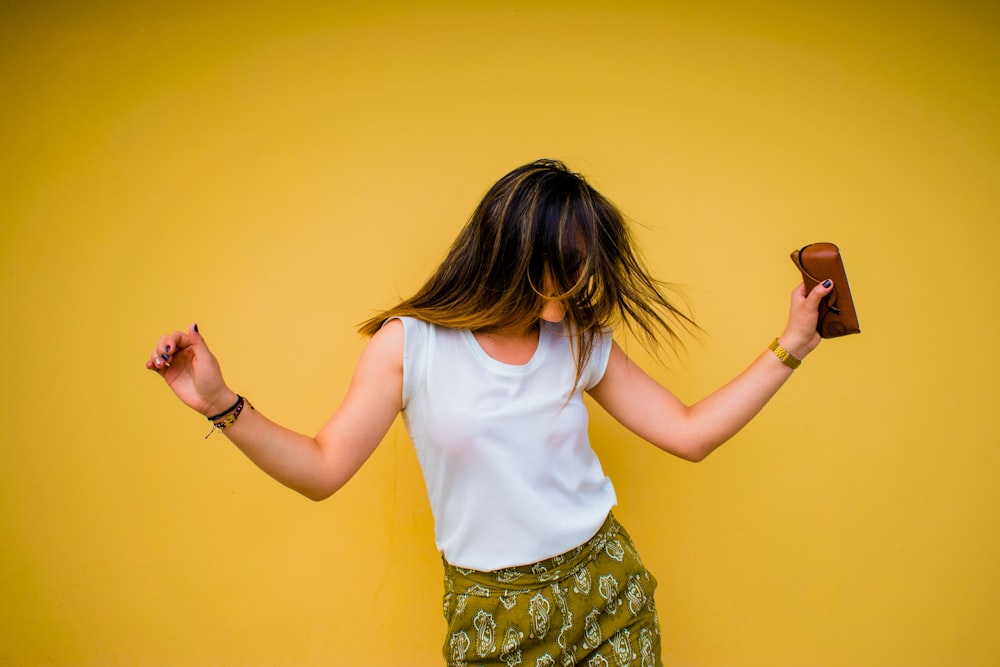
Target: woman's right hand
(190, 369)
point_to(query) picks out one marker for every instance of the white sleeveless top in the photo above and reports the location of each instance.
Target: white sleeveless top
(506, 458)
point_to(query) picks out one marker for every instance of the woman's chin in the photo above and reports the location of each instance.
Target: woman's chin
(553, 312)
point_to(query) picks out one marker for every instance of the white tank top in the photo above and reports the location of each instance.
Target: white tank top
(504, 450)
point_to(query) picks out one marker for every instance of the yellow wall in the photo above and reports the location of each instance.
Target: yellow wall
(277, 174)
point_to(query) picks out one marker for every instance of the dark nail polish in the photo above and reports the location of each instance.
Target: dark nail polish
(826, 283)
(165, 357)
(168, 348)
(196, 329)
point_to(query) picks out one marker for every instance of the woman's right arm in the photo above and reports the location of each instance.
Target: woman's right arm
(314, 466)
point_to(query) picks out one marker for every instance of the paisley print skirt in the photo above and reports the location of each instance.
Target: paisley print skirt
(592, 606)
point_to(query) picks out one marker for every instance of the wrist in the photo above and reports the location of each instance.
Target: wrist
(228, 417)
(795, 345)
(783, 355)
(220, 404)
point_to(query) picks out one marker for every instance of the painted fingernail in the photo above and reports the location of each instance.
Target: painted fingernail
(826, 283)
(168, 348)
(165, 357)
(196, 329)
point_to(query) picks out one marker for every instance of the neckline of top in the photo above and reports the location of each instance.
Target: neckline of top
(544, 331)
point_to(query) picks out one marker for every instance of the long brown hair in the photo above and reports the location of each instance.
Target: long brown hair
(544, 220)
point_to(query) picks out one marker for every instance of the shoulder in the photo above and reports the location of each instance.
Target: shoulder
(413, 345)
(379, 371)
(411, 330)
(600, 335)
(600, 355)
(408, 324)
(386, 344)
(596, 333)
(595, 343)
(411, 339)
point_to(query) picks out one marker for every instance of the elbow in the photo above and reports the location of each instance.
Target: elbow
(690, 454)
(320, 485)
(317, 495)
(319, 492)
(687, 439)
(694, 451)
(694, 455)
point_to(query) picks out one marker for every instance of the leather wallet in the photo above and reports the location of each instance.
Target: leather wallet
(837, 315)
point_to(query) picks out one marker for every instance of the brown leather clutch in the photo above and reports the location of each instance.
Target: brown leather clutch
(837, 315)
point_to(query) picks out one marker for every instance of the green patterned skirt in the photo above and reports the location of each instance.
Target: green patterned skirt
(591, 606)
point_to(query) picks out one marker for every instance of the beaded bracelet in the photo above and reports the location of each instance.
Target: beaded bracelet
(239, 399)
(229, 417)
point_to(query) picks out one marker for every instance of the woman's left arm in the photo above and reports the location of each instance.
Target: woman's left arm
(693, 432)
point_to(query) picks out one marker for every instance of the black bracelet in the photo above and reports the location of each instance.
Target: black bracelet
(230, 417)
(226, 412)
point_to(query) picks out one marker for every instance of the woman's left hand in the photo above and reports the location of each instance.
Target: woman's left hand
(800, 336)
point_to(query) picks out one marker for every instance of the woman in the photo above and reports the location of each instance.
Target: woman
(488, 363)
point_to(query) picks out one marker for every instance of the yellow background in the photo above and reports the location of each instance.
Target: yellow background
(278, 173)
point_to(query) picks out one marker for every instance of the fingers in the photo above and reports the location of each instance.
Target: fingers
(800, 336)
(163, 354)
(194, 336)
(169, 345)
(818, 292)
